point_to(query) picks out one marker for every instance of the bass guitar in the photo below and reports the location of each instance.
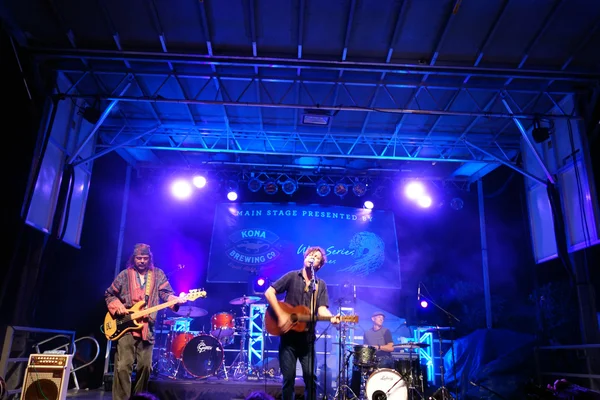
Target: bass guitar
(300, 316)
(116, 326)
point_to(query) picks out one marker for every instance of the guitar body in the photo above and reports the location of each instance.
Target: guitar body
(118, 325)
(271, 321)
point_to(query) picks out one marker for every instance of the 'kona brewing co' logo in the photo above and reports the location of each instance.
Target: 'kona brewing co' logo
(252, 247)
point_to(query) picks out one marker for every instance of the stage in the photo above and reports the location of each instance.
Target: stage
(205, 389)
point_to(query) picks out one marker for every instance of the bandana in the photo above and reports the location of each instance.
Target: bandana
(141, 249)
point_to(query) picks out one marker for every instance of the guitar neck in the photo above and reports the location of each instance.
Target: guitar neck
(148, 311)
(308, 318)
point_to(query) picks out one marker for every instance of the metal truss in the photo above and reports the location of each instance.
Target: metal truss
(401, 146)
(318, 94)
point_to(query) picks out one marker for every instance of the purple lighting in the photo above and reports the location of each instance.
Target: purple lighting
(181, 189)
(424, 303)
(232, 196)
(424, 201)
(414, 190)
(199, 181)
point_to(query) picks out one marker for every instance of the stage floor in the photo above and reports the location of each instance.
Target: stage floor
(206, 389)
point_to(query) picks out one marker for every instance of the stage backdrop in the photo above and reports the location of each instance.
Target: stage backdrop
(270, 239)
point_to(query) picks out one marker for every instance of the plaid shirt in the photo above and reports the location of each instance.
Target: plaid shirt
(127, 289)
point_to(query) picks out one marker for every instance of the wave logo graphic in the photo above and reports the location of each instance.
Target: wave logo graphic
(369, 253)
(252, 246)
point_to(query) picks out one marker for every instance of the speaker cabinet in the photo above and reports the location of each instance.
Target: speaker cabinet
(47, 377)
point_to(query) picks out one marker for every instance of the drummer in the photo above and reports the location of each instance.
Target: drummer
(380, 337)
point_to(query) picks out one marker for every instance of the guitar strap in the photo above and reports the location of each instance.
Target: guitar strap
(149, 284)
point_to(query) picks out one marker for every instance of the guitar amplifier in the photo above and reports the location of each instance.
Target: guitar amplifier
(47, 377)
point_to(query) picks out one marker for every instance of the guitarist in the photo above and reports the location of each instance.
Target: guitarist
(141, 280)
(294, 345)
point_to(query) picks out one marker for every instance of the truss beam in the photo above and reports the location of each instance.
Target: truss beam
(329, 146)
(271, 62)
(315, 105)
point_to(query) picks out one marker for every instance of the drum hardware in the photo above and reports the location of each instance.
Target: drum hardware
(240, 365)
(344, 361)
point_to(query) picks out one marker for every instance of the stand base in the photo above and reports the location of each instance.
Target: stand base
(442, 394)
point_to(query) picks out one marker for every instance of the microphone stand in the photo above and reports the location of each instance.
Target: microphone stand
(451, 318)
(313, 322)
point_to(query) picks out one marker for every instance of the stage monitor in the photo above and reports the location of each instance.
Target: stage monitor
(269, 240)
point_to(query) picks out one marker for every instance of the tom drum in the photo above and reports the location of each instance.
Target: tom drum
(222, 326)
(180, 340)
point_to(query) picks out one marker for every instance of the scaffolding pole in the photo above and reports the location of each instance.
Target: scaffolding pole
(484, 257)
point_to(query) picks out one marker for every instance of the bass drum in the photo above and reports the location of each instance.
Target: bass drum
(203, 356)
(386, 384)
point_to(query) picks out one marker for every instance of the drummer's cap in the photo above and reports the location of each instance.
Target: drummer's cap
(376, 313)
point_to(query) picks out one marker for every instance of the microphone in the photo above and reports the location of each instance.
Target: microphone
(419, 292)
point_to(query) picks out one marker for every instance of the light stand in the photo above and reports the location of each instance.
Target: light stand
(444, 391)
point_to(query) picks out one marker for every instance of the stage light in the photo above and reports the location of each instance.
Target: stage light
(181, 189)
(368, 205)
(260, 284)
(424, 304)
(289, 187)
(270, 186)
(199, 181)
(254, 185)
(424, 201)
(340, 189)
(414, 190)
(323, 188)
(359, 189)
(232, 196)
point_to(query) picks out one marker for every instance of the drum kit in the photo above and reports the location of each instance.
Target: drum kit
(403, 380)
(187, 354)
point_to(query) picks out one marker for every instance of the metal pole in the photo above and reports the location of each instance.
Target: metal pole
(97, 125)
(484, 257)
(126, 189)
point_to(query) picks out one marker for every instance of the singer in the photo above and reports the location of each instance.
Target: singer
(301, 287)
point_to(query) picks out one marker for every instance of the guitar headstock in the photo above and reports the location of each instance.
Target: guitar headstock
(349, 318)
(195, 294)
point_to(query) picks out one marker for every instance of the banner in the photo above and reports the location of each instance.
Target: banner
(270, 239)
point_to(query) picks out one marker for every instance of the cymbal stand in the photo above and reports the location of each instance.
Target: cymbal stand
(240, 363)
(342, 384)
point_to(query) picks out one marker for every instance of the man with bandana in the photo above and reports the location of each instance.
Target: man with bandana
(141, 280)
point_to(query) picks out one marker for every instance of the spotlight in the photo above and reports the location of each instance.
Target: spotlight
(424, 201)
(289, 187)
(424, 304)
(457, 203)
(260, 284)
(254, 185)
(359, 189)
(270, 186)
(368, 205)
(199, 181)
(340, 189)
(181, 189)
(323, 188)
(414, 190)
(232, 196)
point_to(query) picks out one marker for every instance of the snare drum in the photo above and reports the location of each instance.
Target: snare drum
(222, 327)
(180, 340)
(386, 384)
(364, 356)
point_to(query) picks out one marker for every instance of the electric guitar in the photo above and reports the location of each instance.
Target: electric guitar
(299, 315)
(116, 326)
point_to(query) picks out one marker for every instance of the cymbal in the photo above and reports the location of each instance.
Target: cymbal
(411, 345)
(244, 300)
(191, 311)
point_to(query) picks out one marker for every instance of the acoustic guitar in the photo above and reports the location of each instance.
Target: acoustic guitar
(299, 315)
(116, 326)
